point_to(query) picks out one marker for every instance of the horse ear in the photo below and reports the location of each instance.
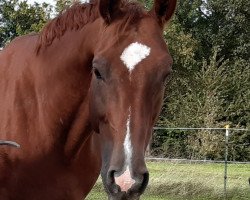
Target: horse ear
(164, 9)
(108, 9)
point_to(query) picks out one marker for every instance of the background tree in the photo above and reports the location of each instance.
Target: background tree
(62, 5)
(19, 18)
(210, 85)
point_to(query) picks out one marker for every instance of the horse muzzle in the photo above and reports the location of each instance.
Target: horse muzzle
(121, 185)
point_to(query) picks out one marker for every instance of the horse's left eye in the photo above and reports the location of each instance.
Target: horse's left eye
(97, 74)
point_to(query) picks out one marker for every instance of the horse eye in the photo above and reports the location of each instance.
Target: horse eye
(97, 74)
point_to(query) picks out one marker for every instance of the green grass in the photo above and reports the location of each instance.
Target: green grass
(172, 181)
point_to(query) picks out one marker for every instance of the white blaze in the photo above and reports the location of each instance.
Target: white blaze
(125, 180)
(134, 54)
(127, 144)
(131, 56)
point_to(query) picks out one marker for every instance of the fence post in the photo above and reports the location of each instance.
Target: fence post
(226, 154)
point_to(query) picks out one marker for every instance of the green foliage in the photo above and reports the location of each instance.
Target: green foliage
(19, 18)
(210, 85)
(62, 5)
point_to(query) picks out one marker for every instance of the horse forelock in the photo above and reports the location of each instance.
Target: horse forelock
(80, 14)
(132, 13)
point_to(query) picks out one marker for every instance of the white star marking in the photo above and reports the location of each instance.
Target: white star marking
(134, 54)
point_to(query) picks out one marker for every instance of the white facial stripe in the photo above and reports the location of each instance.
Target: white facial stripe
(125, 180)
(127, 143)
(134, 54)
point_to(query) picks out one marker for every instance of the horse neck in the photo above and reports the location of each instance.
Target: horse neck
(66, 79)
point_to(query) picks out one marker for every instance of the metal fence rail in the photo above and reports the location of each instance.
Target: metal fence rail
(187, 128)
(176, 160)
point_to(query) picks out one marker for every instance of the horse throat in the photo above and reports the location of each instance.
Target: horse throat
(79, 131)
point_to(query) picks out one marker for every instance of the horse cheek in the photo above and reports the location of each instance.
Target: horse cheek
(97, 105)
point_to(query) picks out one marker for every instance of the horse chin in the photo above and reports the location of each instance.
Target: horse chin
(114, 193)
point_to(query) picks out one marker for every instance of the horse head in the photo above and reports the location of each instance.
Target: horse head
(131, 62)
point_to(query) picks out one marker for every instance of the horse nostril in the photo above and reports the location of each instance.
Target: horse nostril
(112, 187)
(144, 182)
(111, 177)
(145, 179)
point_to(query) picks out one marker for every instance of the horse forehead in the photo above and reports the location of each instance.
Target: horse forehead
(146, 42)
(136, 52)
(133, 54)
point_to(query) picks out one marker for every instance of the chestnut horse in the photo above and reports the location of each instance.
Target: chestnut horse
(81, 98)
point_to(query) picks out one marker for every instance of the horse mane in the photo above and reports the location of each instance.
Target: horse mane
(78, 15)
(73, 18)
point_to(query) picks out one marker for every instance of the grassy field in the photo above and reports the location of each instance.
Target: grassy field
(172, 181)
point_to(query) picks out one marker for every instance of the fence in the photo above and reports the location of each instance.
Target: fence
(228, 132)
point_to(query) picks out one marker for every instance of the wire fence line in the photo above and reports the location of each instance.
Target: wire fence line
(188, 128)
(228, 142)
(176, 160)
(192, 141)
(227, 131)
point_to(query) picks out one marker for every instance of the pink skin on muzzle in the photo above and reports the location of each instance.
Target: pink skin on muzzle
(125, 180)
